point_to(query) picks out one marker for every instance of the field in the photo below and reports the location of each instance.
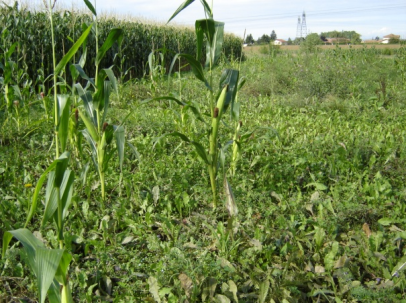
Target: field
(256, 49)
(153, 190)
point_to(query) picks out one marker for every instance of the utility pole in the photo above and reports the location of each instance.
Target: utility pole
(304, 26)
(299, 28)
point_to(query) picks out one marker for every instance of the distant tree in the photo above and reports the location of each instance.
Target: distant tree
(249, 39)
(290, 42)
(265, 39)
(352, 36)
(377, 38)
(297, 41)
(394, 40)
(310, 43)
(273, 35)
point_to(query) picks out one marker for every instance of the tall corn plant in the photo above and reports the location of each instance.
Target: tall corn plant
(96, 97)
(220, 99)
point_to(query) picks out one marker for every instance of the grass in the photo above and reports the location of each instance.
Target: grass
(319, 189)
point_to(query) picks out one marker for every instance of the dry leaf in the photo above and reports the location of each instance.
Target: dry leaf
(230, 200)
(319, 269)
(366, 230)
(186, 283)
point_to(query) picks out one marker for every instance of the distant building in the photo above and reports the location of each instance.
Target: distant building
(386, 38)
(280, 42)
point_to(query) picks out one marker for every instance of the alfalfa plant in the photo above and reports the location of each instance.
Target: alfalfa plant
(50, 266)
(96, 97)
(219, 100)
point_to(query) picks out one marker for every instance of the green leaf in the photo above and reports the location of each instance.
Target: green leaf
(38, 187)
(263, 290)
(119, 134)
(113, 80)
(385, 221)
(213, 31)
(60, 168)
(207, 9)
(230, 77)
(318, 186)
(222, 299)
(11, 50)
(61, 65)
(87, 99)
(329, 258)
(197, 68)
(82, 73)
(201, 151)
(93, 146)
(181, 8)
(64, 114)
(106, 99)
(114, 35)
(62, 271)
(164, 98)
(47, 262)
(44, 262)
(91, 128)
(90, 7)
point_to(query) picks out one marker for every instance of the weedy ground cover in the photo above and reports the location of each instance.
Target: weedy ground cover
(319, 189)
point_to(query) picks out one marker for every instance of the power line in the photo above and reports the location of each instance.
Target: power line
(321, 12)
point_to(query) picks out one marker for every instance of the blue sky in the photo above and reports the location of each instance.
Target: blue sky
(370, 18)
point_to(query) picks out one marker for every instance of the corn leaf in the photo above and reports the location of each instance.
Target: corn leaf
(196, 68)
(90, 7)
(185, 4)
(106, 98)
(62, 271)
(93, 147)
(120, 143)
(61, 65)
(164, 98)
(60, 168)
(87, 98)
(44, 262)
(181, 8)
(230, 200)
(114, 35)
(79, 69)
(38, 187)
(90, 127)
(213, 31)
(230, 77)
(201, 151)
(63, 113)
(112, 78)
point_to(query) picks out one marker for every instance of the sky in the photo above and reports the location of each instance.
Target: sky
(370, 18)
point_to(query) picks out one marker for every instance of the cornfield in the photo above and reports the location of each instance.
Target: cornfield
(34, 53)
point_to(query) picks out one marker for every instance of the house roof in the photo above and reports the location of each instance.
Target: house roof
(392, 36)
(281, 40)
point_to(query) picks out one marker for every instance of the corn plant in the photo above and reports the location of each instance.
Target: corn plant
(219, 100)
(50, 266)
(95, 96)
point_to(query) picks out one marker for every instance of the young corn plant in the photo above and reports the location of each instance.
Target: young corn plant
(61, 102)
(95, 96)
(219, 100)
(50, 266)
